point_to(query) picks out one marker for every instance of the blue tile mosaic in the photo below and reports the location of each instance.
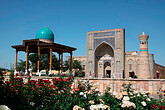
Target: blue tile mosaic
(107, 61)
(110, 41)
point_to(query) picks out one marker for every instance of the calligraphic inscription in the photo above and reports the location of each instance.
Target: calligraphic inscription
(103, 34)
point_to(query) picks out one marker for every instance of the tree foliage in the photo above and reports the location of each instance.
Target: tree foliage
(66, 65)
(44, 62)
(21, 65)
(33, 59)
(76, 65)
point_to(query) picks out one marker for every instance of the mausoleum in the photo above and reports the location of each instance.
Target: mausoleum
(43, 44)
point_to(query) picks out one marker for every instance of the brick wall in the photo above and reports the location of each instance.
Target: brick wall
(151, 85)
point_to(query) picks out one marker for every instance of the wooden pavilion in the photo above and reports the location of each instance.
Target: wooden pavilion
(44, 44)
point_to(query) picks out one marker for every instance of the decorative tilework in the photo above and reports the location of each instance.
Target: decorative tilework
(143, 50)
(107, 61)
(102, 34)
(110, 41)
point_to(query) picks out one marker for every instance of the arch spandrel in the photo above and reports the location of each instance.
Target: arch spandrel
(110, 41)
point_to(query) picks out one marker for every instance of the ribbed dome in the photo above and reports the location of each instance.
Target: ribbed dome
(45, 33)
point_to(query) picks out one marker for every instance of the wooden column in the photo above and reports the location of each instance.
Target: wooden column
(71, 61)
(16, 59)
(50, 68)
(27, 54)
(15, 72)
(61, 61)
(38, 63)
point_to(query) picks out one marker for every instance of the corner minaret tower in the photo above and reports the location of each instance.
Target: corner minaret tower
(144, 69)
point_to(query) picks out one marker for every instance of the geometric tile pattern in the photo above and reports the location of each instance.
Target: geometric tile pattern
(110, 41)
(107, 61)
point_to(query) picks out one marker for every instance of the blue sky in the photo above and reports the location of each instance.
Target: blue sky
(70, 20)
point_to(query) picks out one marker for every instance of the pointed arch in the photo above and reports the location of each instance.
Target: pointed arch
(102, 43)
(101, 50)
(107, 69)
(130, 64)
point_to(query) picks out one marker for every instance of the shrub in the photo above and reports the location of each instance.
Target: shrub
(61, 94)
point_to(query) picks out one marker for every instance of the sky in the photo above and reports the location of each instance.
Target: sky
(70, 20)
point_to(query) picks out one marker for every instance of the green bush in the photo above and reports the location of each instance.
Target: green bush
(61, 94)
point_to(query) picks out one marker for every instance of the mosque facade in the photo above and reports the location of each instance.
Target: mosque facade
(106, 57)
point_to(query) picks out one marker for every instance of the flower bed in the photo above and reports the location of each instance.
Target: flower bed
(60, 94)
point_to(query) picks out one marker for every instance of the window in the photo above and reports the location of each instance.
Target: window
(130, 66)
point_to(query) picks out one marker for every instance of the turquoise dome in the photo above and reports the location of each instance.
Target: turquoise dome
(45, 33)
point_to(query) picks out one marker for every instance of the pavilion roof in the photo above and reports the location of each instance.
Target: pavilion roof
(33, 45)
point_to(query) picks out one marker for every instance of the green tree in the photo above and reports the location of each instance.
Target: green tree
(21, 65)
(66, 65)
(54, 62)
(33, 59)
(44, 64)
(76, 65)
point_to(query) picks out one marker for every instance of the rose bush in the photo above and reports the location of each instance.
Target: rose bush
(61, 94)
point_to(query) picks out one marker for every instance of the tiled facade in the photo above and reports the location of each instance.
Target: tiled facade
(106, 57)
(105, 53)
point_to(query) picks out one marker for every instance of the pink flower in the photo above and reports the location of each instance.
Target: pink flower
(16, 90)
(162, 107)
(154, 106)
(77, 89)
(53, 86)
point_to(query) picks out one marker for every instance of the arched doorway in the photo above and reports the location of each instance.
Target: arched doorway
(131, 68)
(107, 70)
(103, 50)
